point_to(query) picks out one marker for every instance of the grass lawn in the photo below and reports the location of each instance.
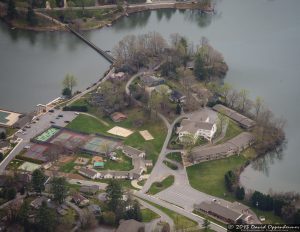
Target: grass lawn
(126, 184)
(14, 164)
(68, 167)
(148, 215)
(88, 124)
(142, 182)
(208, 177)
(179, 220)
(156, 128)
(124, 164)
(176, 156)
(159, 186)
(269, 216)
(233, 130)
(170, 165)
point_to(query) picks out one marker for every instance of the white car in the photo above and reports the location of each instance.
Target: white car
(76, 113)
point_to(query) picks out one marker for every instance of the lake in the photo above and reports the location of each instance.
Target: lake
(259, 40)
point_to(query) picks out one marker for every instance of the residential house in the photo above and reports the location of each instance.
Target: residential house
(176, 96)
(90, 173)
(197, 129)
(36, 203)
(231, 147)
(151, 81)
(132, 152)
(244, 121)
(130, 226)
(94, 209)
(118, 117)
(80, 200)
(118, 76)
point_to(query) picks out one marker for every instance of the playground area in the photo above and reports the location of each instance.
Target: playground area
(46, 135)
(69, 139)
(37, 152)
(100, 145)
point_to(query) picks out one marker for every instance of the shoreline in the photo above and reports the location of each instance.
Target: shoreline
(131, 9)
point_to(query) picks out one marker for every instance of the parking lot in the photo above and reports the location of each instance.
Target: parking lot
(45, 121)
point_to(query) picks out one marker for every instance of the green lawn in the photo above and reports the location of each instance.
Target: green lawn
(176, 156)
(269, 216)
(88, 124)
(148, 215)
(170, 165)
(156, 128)
(179, 220)
(208, 176)
(142, 182)
(159, 186)
(124, 164)
(68, 167)
(233, 130)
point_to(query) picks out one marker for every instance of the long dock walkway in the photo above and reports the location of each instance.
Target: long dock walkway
(97, 49)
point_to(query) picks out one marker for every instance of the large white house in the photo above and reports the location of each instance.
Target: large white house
(196, 129)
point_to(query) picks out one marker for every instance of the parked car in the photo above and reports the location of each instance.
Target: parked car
(60, 115)
(51, 111)
(52, 122)
(67, 121)
(76, 113)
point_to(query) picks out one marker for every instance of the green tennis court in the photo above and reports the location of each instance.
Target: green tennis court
(45, 136)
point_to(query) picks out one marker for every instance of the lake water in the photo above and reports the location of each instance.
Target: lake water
(259, 40)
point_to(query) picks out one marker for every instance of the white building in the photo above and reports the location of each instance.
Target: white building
(196, 129)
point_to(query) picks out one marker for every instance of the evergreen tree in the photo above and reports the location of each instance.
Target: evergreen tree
(178, 108)
(10, 193)
(45, 218)
(59, 188)
(240, 193)
(199, 68)
(278, 204)
(31, 17)
(11, 10)
(67, 92)
(114, 194)
(1, 156)
(2, 135)
(23, 215)
(38, 180)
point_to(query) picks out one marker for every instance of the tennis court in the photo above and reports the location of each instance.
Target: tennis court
(69, 139)
(37, 152)
(46, 135)
(100, 145)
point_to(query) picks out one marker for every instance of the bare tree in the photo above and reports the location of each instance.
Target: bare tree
(243, 97)
(258, 104)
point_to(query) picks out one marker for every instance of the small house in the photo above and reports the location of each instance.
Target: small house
(118, 117)
(92, 189)
(94, 209)
(151, 81)
(80, 200)
(176, 96)
(132, 152)
(89, 173)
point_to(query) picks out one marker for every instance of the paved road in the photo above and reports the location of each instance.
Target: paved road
(178, 210)
(87, 183)
(163, 217)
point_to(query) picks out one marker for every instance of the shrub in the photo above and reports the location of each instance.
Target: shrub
(76, 108)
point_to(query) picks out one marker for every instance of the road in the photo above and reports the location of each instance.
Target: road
(178, 210)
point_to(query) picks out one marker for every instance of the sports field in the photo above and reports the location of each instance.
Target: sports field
(100, 145)
(37, 152)
(46, 135)
(69, 139)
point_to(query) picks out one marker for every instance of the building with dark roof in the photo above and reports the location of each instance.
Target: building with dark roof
(244, 121)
